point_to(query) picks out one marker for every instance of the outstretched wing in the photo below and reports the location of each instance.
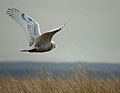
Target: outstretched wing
(30, 26)
(45, 39)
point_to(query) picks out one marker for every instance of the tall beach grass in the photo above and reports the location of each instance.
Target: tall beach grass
(46, 82)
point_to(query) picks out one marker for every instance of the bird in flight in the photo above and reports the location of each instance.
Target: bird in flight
(39, 42)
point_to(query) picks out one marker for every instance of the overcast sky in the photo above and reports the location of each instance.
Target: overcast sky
(92, 32)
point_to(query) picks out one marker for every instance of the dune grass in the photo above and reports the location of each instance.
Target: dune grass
(81, 83)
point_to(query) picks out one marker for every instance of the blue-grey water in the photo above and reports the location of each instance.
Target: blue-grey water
(20, 69)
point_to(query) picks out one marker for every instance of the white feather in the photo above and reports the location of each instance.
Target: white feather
(45, 39)
(30, 26)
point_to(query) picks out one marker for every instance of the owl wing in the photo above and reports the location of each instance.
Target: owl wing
(45, 39)
(30, 26)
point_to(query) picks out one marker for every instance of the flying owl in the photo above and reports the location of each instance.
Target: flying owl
(37, 41)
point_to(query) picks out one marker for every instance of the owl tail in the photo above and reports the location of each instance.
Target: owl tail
(24, 50)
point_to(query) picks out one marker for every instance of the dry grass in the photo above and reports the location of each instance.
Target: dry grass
(82, 83)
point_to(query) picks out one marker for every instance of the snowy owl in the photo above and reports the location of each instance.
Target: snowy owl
(38, 42)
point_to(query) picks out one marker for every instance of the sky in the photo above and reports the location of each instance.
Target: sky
(92, 32)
